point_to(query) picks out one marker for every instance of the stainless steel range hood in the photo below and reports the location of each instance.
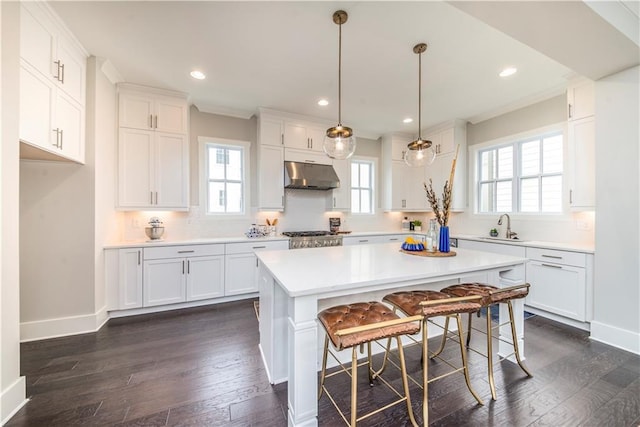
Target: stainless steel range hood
(310, 176)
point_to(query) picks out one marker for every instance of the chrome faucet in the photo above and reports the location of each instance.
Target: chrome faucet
(510, 234)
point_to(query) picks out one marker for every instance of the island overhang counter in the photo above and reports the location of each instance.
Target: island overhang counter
(296, 284)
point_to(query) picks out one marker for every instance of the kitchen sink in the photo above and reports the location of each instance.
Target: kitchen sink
(501, 239)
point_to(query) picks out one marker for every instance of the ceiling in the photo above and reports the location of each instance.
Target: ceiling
(284, 56)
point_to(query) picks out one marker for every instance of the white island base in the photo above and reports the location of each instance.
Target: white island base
(295, 285)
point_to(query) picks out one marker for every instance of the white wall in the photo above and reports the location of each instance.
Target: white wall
(617, 278)
(101, 127)
(12, 385)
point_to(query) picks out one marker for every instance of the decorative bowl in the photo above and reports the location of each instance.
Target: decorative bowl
(414, 247)
(154, 233)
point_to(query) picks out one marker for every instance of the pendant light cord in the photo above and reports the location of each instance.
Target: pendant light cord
(340, 74)
(420, 96)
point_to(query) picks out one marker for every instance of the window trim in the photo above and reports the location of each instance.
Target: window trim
(203, 142)
(374, 183)
(474, 172)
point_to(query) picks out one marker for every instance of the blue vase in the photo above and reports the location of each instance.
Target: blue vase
(444, 244)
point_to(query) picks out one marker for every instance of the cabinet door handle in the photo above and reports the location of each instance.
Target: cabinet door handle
(156, 197)
(182, 266)
(334, 202)
(281, 139)
(150, 121)
(310, 161)
(311, 139)
(57, 77)
(570, 112)
(139, 253)
(257, 262)
(551, 265)
(551, 256)
(570, 197)
(188, 267)
(186, 252)
(62, 68)
(57, 143)
(61, 138)
(150, 197)
(393, 239)
(363, 241)
(259, 247)
(156, 126)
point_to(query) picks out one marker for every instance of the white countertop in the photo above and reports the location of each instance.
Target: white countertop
(201, 241)
(574, 247)
(323, 270)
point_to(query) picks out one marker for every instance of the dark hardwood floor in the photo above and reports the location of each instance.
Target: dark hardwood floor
(202, 367)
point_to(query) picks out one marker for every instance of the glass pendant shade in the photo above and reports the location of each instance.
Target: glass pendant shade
(419, 153)
(339, 142)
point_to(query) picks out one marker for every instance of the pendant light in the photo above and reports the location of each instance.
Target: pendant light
(420, 152)
(339, 142)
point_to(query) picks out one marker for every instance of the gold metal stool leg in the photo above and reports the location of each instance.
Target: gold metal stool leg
(490, 354)
(469, 329)
(324, 365)
(354, 385)
(463, 353)
(444, 338)
(514, 336)
(425, 374)
(405, 381)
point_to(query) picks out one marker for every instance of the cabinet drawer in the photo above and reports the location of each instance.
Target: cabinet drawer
(557, 257)
(183, 251)
(250, 247)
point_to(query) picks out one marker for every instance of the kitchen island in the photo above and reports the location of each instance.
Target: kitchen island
(295, 285)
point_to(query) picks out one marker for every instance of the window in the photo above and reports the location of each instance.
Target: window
(522, 176)
(225, 167)
(362, 186)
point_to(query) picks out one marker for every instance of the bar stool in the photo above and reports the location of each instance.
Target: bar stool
(429, 304)
(353, 325)
(491, 295)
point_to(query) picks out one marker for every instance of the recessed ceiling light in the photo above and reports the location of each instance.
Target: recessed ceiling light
(407, 120)
(198, 75)
(323, 103)
(509, 71)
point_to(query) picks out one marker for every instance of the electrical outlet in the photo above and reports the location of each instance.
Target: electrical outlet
(582, 225)
(135, 223)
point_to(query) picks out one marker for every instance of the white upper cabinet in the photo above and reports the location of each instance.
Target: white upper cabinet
(340, 198)
(580, 100)
(446, 141)
(153, 112)
(52, 86)
(403, 185)
(303, 136)
(270, 131)
(153, 150)
(582, 163)
(581, 145)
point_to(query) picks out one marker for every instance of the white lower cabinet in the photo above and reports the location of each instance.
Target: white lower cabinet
(558, 282)
(164, 282)
(241, 265)
(130, 278)
(162, 275)
(205, 277)
(174, 274)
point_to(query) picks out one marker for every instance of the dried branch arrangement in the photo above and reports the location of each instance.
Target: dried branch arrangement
(442, 216)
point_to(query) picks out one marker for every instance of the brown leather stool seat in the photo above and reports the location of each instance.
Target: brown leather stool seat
(430, 304)
(352, 325)
(491, 295)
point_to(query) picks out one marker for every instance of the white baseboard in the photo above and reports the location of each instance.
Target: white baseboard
(616, 337)
(12, 399)
(63, 326)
